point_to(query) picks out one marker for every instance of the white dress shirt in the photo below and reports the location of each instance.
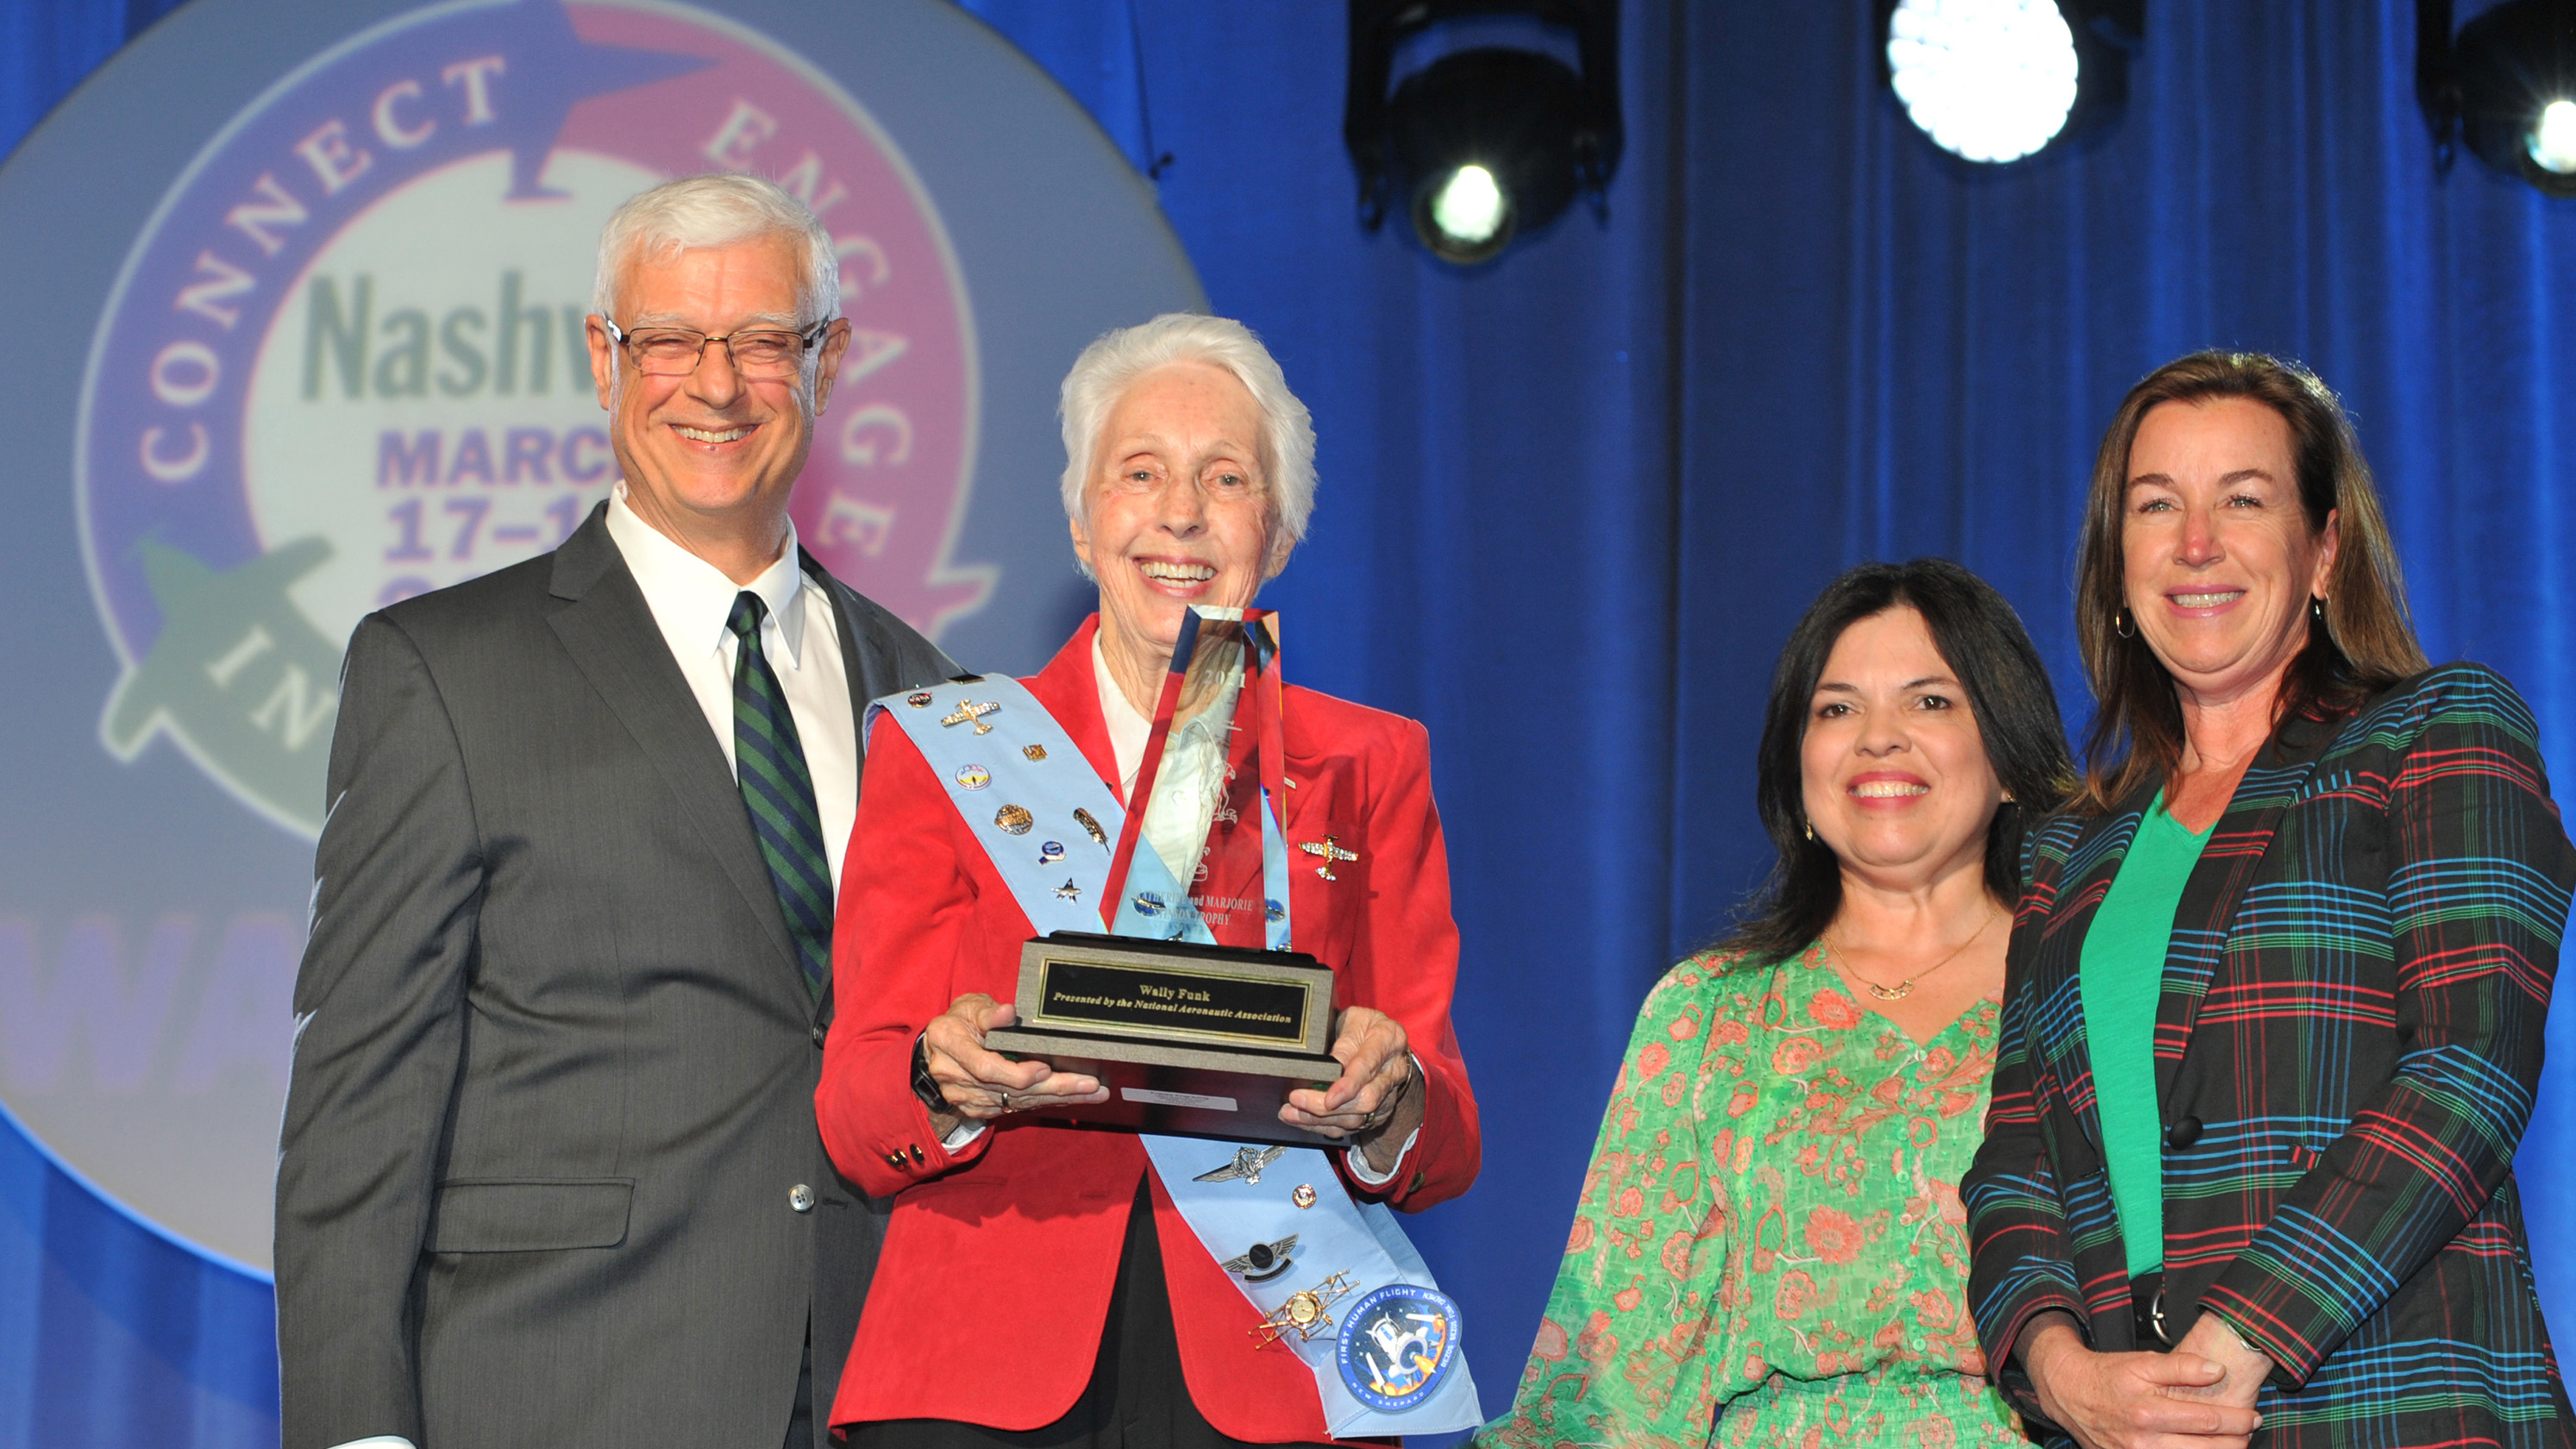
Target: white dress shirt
(691, 599)
(1191, 779)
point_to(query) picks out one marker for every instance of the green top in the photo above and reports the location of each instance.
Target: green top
(2122, 974)
(1770, 1248)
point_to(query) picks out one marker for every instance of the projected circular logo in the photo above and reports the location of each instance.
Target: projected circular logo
(348, 364)
(319, 270)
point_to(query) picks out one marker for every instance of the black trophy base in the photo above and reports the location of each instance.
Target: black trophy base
(1173, 1090)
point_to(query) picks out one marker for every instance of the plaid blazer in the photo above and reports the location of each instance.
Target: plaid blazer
(2346, 1049)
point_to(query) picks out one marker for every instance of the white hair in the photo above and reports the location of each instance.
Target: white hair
(718, 209)
(1112, 364)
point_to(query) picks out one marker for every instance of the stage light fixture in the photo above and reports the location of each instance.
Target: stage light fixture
(1988, 80)
(1993, 81)
(2505, 84)
(1493, 133)
(2552, 146)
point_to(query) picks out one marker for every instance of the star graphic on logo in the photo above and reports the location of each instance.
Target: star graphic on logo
(546, 69)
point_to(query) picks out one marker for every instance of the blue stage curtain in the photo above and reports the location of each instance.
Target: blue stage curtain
(1572, 501)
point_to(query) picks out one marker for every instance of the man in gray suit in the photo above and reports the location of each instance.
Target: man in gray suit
(549, 1173)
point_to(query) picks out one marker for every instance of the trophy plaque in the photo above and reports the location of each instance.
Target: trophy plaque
(1188, 1039)
(1191, 1010)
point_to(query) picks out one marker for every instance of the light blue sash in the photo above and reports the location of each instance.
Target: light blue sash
(1388, 1362)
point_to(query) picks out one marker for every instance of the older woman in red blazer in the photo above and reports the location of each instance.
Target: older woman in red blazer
(1036, 1284)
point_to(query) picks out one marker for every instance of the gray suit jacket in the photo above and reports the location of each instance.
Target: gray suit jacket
(554, 1068)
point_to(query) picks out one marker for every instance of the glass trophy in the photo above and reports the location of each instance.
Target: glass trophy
(1191, 1007)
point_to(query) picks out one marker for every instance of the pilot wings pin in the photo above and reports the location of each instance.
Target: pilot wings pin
(1248, 1164)
(1263, 1261)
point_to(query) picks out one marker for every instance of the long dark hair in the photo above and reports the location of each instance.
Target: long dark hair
(1983, 642)
(2364, 640)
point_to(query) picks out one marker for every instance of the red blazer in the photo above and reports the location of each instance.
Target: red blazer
(994, 1283)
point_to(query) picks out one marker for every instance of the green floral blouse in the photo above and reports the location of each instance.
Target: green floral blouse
(1770, 1247)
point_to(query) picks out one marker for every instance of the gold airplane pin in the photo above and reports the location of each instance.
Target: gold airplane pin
(969, 712)
(1303, 1314)
(1331, 850)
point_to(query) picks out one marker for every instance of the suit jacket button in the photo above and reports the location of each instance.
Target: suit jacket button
(894, 1159)
(801, 1198)
(818, 1036)
(915, 1150)
(2184, 1132)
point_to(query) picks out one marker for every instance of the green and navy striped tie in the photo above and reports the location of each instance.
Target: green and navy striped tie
(778, 790)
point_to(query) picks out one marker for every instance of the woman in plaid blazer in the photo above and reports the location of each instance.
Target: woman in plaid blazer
(2345, 1036)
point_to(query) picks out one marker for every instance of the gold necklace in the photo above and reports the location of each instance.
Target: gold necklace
(1904, 988)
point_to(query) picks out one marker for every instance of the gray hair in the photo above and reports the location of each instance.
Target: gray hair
(1112, 364)
(718, 209)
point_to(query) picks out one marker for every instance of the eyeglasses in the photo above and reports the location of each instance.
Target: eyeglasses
(677, 351)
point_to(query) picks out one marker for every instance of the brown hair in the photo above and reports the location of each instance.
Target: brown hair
(2365, 641)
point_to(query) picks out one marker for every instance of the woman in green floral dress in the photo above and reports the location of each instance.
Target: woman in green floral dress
(1770, 1248)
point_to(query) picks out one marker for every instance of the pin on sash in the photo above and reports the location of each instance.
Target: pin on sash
(1248, 1164)
(969, 712)
(1263, 1261)
(1091, 827)
(1304, 1314)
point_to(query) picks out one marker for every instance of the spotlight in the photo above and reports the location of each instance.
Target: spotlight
(1996, 80)
(1467, 209)
(1491, 137)
(2506, 84)
(1988, 80)
(2552, 146)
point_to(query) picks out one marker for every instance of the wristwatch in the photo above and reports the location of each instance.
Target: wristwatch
(924, 1085)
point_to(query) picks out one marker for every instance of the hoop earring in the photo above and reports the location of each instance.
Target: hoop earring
(2122, 625)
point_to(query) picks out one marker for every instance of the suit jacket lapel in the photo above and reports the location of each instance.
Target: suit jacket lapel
(853, 666)
(609, 631)
(854, 671)
(2092, 861)
(2228, 865)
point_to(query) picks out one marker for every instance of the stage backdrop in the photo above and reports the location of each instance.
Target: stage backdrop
(1571, 503)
